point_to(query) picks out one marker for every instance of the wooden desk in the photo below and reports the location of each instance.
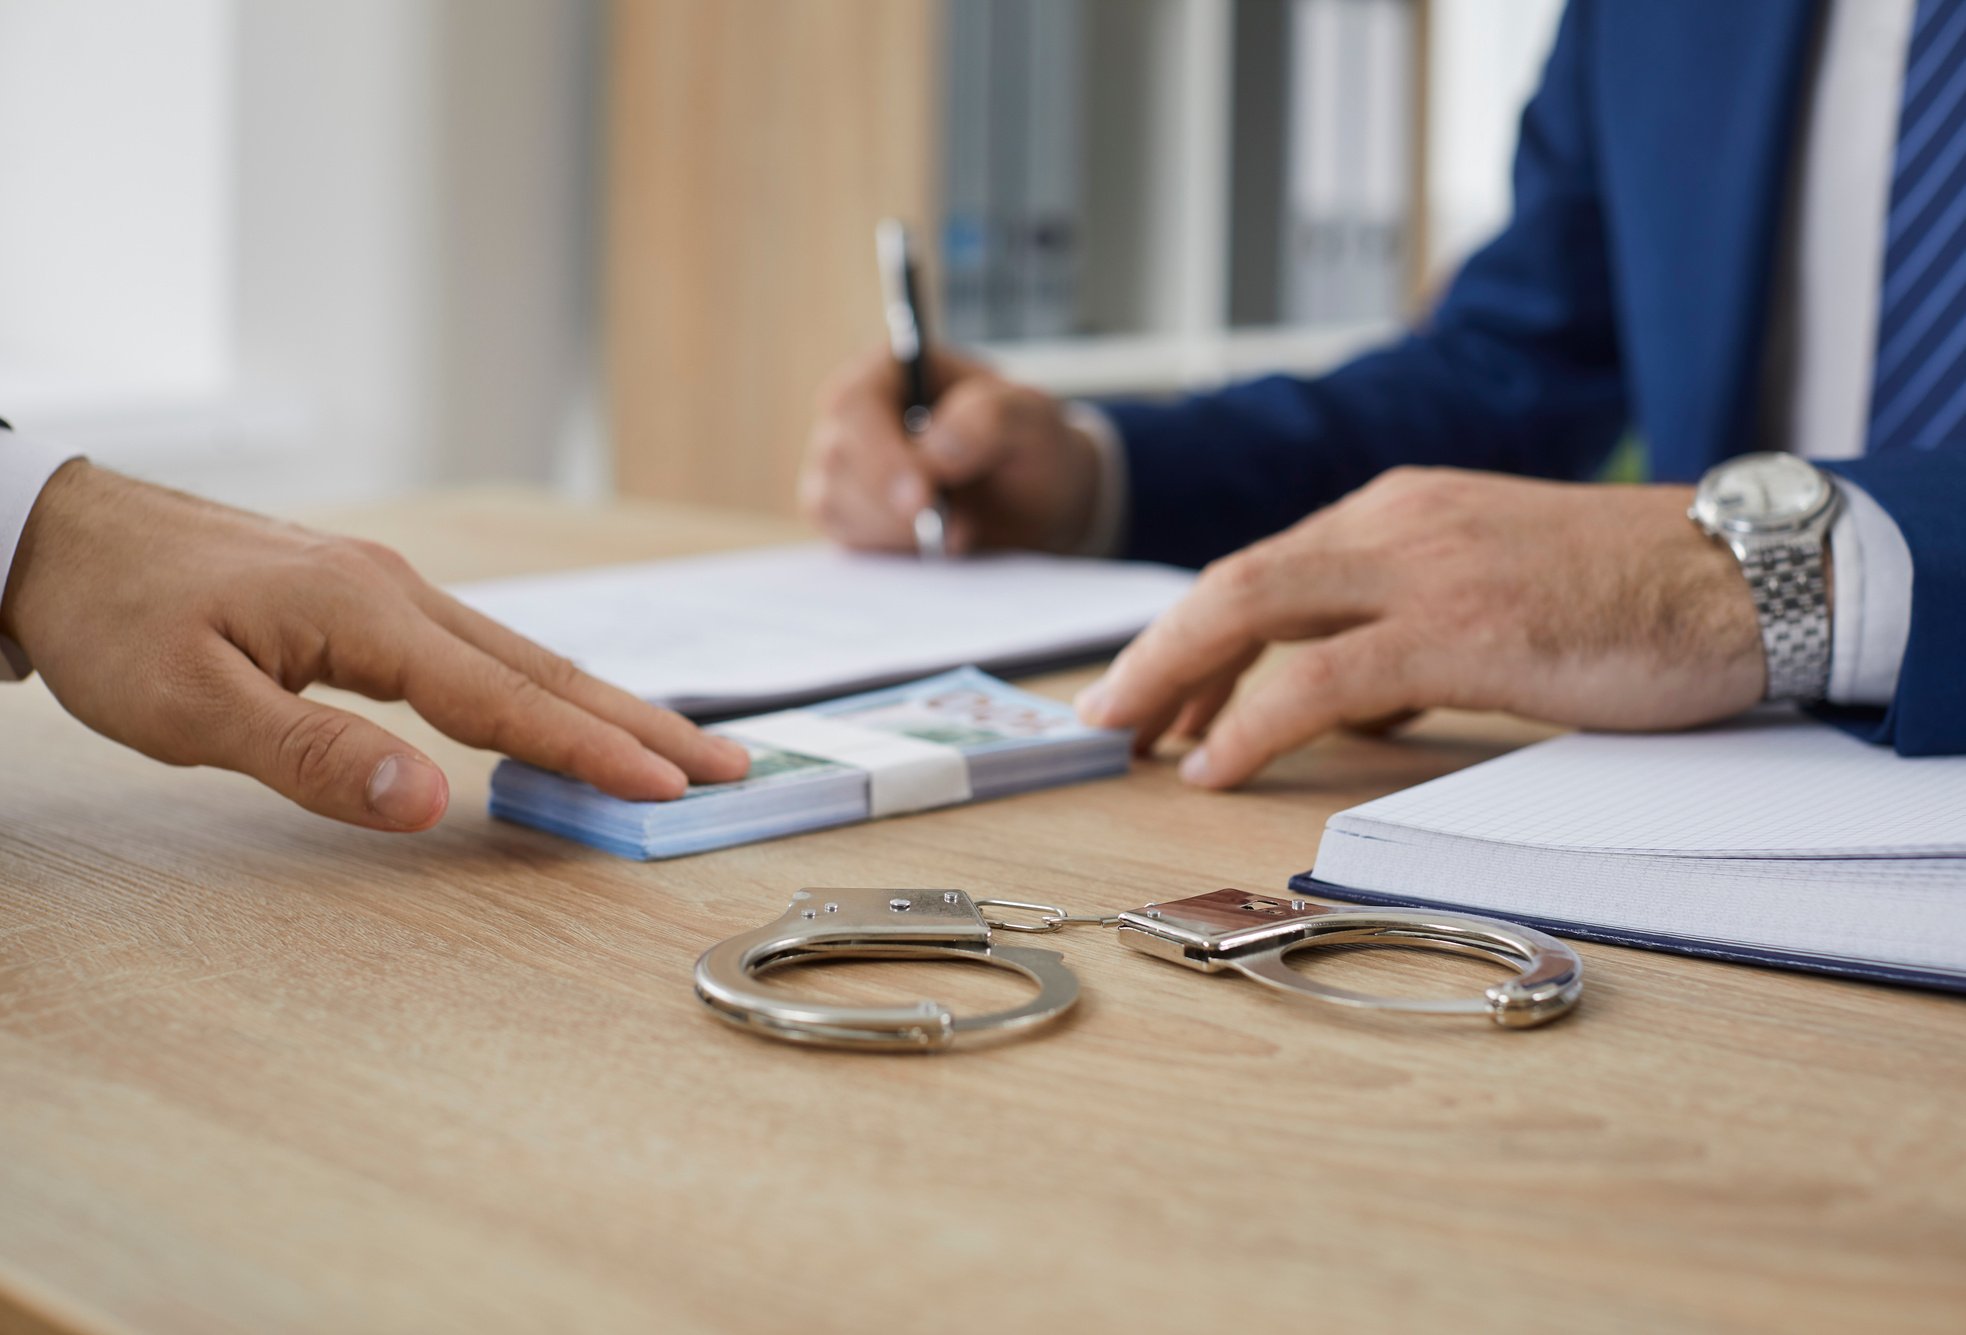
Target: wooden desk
(259, 1072)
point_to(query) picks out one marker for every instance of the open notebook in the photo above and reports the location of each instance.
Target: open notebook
(743, 632)
(1775, 840)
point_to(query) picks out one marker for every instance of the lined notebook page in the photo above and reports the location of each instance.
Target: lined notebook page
(1777, 784)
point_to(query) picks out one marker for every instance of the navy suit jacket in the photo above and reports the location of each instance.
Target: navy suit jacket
(1631, 288)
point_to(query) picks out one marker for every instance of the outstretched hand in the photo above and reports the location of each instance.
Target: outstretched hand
(186, 630)
(1594, 606)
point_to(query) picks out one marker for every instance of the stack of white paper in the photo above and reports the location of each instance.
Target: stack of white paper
(763, 629)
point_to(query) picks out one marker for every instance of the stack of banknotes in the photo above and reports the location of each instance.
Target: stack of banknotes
(1013, 742)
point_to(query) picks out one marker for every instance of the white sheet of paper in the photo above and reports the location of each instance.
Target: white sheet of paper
(1773, 785)
(780, 624)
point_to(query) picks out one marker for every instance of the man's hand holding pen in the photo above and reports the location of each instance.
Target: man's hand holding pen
(1014, 472)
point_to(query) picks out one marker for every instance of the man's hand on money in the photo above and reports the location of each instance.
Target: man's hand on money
(187, 630)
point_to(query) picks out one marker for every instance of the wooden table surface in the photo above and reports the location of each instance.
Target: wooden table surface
(259, 1072)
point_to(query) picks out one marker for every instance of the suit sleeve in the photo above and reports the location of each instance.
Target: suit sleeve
(1517, 371)
(1925, 493)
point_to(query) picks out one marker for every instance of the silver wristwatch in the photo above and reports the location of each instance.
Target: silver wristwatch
(1773, 511)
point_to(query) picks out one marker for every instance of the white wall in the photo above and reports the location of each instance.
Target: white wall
(115, 225)
(300, 252)
(1487, 58)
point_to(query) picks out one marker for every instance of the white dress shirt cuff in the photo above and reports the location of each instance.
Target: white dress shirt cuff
(26, 465)
(1872, 621)
(1105, 535)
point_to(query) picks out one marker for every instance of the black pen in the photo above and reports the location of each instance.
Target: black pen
(907, 339)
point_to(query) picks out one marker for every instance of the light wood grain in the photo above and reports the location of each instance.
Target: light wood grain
(752, 146)
(1419, 215)
(259, 1072)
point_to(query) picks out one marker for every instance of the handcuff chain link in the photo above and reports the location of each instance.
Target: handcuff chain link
(1050, 916)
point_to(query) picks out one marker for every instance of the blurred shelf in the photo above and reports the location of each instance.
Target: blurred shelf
(1172, 363)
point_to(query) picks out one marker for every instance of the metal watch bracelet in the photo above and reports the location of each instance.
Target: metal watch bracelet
(1791, 598)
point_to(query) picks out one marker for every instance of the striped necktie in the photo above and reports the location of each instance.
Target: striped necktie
(1918, 399)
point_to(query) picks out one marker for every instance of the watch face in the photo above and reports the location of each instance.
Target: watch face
(1757, 492)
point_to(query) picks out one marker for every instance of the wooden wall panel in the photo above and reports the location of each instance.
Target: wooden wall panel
(1419, 293)
(752, 146)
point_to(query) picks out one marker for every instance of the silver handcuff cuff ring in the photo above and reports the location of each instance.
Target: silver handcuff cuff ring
(1222, 931)
(878, 924)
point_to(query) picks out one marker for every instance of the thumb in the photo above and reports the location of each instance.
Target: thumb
(969, 433)
(332, 762)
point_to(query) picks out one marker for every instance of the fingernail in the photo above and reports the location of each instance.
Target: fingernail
(1092, 704)
(907, 494)
(1194, 766)
(408, 791)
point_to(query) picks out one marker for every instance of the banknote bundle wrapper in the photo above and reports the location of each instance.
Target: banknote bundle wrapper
(1011, 740)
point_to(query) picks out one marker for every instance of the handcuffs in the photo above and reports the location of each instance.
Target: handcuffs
(1230, 931)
